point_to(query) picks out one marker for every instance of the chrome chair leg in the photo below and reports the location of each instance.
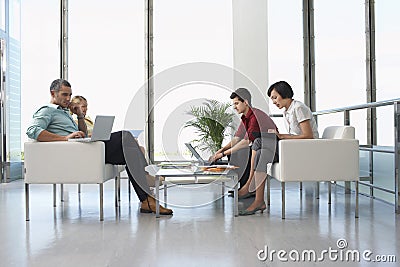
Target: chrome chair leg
(101, 202)
(62, 192)
(27, 202)
(129, 191)
(268, 190)
(329, 192)
(356, 208)
(115, 191)
(283, 200)
(54, 195)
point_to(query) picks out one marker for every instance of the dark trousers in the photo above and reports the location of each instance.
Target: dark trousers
(242, 159)
(123, 149)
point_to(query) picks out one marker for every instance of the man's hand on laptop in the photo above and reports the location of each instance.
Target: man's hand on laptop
(78, 134)
(216, 156)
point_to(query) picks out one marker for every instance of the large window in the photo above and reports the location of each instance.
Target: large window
(285, 49)
(15, 19)
(340, 60)
(13, 96)
(387, 32)
(387, 64)
(106, 54)
(3, 15)
(187, 31)
(387, 41)
(40, 32)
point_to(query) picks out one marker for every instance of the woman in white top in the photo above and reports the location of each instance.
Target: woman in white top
(300, 122)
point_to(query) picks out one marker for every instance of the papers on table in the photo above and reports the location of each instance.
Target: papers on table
(175, 164)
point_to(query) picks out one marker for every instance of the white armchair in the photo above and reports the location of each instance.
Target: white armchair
(335, 157)
(67, 163)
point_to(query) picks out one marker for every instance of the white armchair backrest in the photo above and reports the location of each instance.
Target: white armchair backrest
(339, 132)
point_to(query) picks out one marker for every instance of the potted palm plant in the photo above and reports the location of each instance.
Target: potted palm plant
(211, 121)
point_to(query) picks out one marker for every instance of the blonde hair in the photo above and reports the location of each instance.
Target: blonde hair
(78, 99)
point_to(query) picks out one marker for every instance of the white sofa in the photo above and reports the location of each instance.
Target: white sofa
(67, 163)
(334, 157)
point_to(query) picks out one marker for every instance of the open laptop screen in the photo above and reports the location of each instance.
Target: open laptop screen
(101, 130)
(194, 152)
(202, 161)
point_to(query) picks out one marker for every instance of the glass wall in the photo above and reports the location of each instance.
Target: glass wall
(106, 58)
(387, 65)
(187, 31)
(15, 19)
(340, 75)
(3, 15)
(40, 32)
(387, 41)
(285, 49)
(13, 96)
(387, 34)
(106, 55)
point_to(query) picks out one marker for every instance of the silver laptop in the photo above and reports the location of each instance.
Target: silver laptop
(201, 160)
(101, 130)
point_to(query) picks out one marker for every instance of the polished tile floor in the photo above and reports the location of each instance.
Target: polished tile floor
(202, 231)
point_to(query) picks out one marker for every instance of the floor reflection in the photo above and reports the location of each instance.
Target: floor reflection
(72, 235)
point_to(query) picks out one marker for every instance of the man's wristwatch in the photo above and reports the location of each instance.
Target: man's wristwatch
(223, 154)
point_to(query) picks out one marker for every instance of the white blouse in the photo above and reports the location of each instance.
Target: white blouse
(296, 113)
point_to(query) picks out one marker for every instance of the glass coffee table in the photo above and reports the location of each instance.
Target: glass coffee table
(196, 175)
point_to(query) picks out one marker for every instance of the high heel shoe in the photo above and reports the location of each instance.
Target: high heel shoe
(261, 208)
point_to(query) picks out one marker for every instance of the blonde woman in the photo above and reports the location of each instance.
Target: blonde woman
(79, 102)
(79, 105)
